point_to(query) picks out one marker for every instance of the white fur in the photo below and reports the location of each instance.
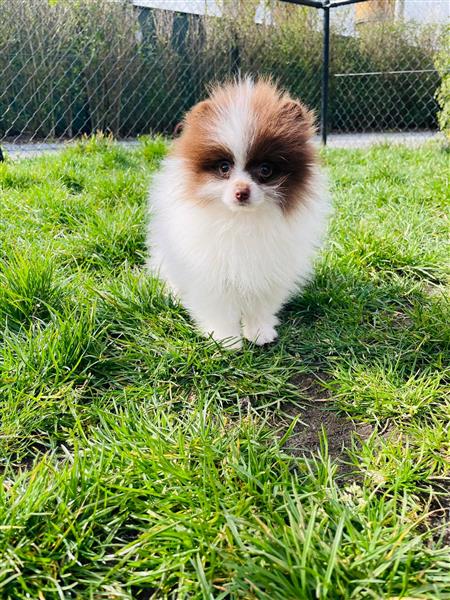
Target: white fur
(234, 127)
(233, 267)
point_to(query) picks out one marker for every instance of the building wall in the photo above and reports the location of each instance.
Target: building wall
(428, 11)
(374, 11)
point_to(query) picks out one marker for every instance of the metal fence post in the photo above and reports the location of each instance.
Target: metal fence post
(325, 72)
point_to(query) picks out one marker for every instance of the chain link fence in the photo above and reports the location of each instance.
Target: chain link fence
(132, 67)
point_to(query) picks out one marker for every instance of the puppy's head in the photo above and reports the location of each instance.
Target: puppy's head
(247, 145)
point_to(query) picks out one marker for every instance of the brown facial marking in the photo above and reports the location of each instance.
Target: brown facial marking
(280, 154)
(282, 130)
(198, 146)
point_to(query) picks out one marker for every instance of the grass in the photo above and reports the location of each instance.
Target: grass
(139, 460)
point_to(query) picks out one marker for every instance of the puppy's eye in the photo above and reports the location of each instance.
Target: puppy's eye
(265, 170)
(224, 167)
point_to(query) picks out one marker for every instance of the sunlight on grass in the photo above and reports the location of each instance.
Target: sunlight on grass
(139, 460)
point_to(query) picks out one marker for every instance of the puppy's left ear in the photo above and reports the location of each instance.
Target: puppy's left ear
(294, 108)
(297, 112)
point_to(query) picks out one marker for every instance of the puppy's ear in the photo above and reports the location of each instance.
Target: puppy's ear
(200, 110)
(298, 113)
(178, 129)
(295, 109)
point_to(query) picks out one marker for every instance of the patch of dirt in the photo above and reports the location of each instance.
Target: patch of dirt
(312, 387)
(316, 416)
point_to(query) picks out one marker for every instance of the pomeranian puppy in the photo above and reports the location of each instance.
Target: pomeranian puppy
(239, 210)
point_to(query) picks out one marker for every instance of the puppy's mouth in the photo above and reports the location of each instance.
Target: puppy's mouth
(247, 206)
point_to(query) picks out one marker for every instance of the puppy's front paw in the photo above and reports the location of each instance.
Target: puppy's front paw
(260, 334)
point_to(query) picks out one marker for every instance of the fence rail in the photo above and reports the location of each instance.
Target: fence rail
(70, 68)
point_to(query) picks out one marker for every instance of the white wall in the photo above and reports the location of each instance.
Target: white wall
(428, 11)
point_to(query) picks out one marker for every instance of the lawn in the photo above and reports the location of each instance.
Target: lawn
(139, 460)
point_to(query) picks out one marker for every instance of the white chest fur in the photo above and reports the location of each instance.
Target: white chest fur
(232, 263)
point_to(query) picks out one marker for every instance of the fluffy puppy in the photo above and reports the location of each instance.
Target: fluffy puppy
(238, 210)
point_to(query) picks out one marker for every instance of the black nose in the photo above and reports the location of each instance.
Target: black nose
(242, 195)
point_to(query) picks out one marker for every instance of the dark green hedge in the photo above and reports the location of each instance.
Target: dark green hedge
(76, 66)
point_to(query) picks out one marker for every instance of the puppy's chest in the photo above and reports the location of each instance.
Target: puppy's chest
(246, 257)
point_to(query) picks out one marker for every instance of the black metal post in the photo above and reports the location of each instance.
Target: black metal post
(346, 2)
(325, 72)
(312, 3)
(2, 158)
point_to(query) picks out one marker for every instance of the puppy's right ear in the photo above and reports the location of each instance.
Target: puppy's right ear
(178, 129)
(199, 115)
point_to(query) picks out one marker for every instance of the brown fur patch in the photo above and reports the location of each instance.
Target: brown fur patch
(280, 130)
(198, 146)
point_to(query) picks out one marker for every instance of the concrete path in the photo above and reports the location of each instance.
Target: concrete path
(365, 140)
(335, 140)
